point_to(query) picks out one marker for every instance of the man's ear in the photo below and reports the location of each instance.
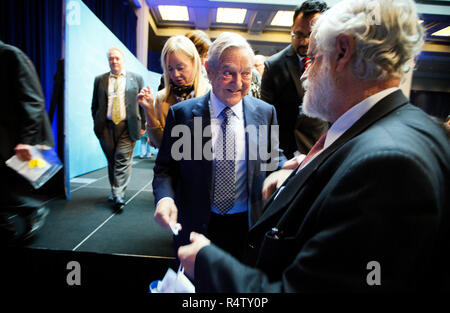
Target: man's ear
(208, 69)
(345, 44)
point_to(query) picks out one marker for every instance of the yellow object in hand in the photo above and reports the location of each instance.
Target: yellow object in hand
(36, 162)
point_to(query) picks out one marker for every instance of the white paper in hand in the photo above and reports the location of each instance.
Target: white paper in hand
(175, 228)
(175, 283)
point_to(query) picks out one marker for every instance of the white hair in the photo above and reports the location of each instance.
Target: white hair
(223, 42)
(387, 35)
(114, 49)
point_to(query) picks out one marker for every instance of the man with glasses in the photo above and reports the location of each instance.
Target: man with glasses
(282, 88)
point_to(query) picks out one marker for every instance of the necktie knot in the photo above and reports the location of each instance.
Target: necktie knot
(227, 113)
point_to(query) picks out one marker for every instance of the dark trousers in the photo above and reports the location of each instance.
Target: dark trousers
(15, 199)
(118, 149)
(229, 232)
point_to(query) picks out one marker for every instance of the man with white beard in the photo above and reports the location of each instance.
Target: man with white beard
(368, 208)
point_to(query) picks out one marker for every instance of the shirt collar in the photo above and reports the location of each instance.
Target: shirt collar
(217, 107)
(354, 114)
(118, 75)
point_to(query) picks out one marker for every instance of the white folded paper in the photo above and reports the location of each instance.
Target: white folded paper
(174, 283)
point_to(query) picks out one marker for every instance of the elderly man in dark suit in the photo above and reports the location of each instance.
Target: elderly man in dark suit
(23, 124)
(118, 121)
(281, 85)
(214, 186)
(368, 209)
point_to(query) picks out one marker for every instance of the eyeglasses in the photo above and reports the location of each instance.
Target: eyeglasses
(299, 35)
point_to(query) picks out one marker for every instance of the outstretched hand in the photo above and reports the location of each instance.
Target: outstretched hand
(187, 254)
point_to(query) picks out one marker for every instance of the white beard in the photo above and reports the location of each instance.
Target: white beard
(317, 101)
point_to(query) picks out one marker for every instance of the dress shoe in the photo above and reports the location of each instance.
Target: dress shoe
(119, 203)
(35, 221)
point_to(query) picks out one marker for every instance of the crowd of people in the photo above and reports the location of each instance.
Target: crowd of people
(312, 162)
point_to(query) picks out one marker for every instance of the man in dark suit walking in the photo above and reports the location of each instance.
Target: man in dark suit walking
(369, 211)
(118, 121)
(281, 85)
(23, 124)
(214, 186)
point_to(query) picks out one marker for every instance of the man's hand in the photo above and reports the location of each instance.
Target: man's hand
(166, 213)
(273, 182)
(23, 152)
(294, 162)
(188, 253)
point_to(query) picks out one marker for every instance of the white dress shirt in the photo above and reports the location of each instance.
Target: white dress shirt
(215, 108)
(349, 118)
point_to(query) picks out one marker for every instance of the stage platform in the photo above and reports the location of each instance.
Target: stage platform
(117, 251)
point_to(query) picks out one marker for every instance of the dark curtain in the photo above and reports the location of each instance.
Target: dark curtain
(35, 27)
(119, 17)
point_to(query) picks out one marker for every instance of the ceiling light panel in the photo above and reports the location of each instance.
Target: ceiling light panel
(283, 18)
(231, 15)
(173, 12)
(444, 32)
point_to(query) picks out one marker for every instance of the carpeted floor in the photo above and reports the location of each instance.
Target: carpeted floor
(88, 223)
(115, 250)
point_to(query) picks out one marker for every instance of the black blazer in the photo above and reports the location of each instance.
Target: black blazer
(189, 182)
(379, 193)
(24, 119)
(281, 86)
(135, 113)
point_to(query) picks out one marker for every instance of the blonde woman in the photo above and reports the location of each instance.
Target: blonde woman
(182, 80)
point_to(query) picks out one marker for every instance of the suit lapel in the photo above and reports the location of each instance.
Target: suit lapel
(129, 98)
(252, 119)
(201, 110)
(293, 66)
(104, 86)
(296, 182)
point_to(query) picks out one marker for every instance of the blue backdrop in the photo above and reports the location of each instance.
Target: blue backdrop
(87, 40)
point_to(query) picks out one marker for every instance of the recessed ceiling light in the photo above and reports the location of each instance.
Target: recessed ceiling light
(231, 15)
(283, 18)
(444, 32)
(173, 12)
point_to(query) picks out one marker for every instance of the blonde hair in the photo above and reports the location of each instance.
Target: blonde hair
(387, 35)
(183, 44)
(200, 40)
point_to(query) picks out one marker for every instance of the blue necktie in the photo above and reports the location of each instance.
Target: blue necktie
(225, 176)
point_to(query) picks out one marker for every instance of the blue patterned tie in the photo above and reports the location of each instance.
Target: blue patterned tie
(225, 176)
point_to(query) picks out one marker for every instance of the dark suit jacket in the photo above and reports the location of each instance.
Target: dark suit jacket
(281, 87)
(135, 113)
(189, 181)
(379, 193)
(24, 119)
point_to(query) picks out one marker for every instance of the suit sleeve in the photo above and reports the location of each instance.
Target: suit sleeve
(141, 110)
(30, 99)
(267, 85)
(166, 168)
(387, 214)
(279, 158)
(94, 105)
